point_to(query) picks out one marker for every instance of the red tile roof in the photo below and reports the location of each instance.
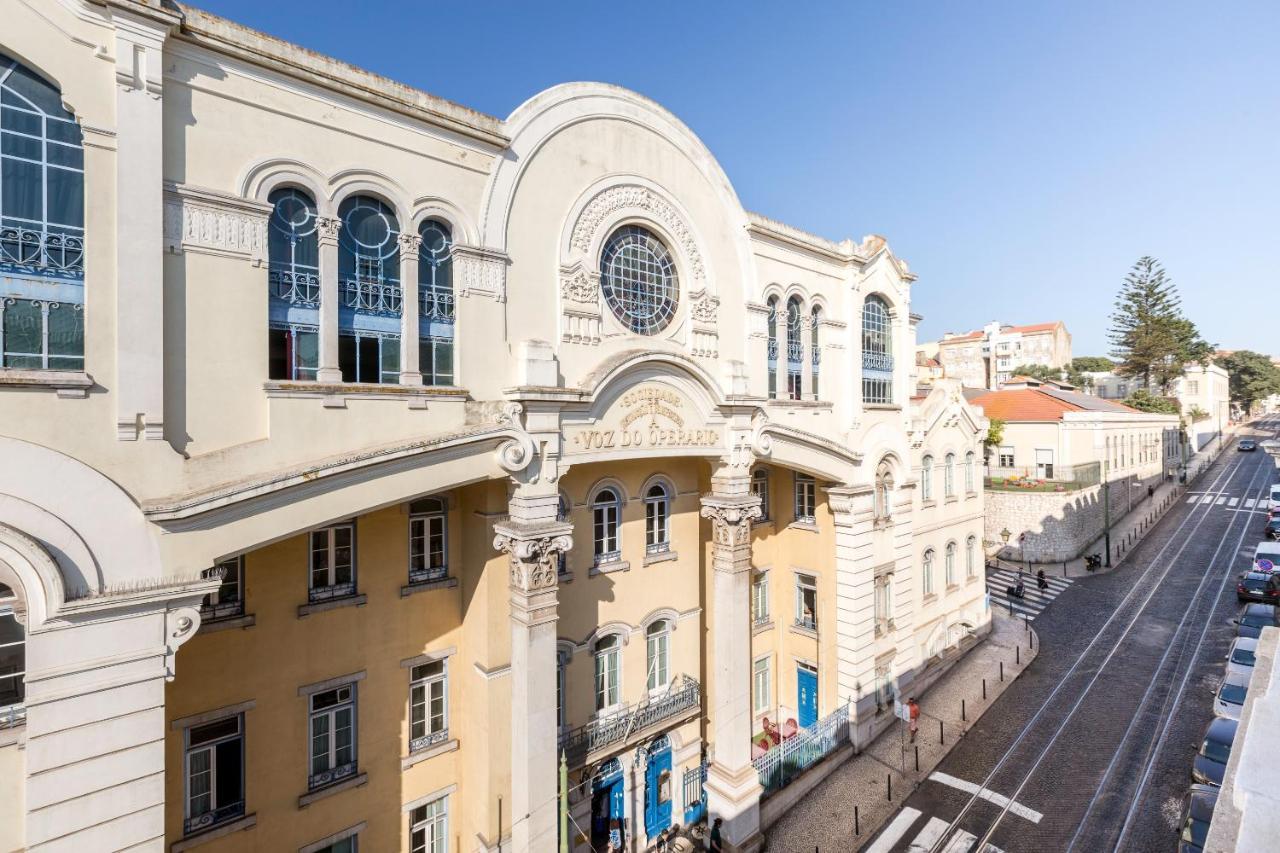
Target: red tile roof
(1035, 404)
(1026, 330)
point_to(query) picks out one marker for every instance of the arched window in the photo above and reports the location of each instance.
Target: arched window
(771, 353)
(815, 350)
(370, 303)
(293, 279)
(657, 519)
(13, 660)
(926, 571)
(969, 474)
(638, 280)
(435, 300)
(877, 352)
(563, 656)
(760, 488)
(428, 540)
(606, 511)
(884, 491)
(951, 564)
(949, 475)
(926, 479)
(608, 672)
(795, 348)
(563, 505)
(971, 556)
(41, 225)
(658, 654)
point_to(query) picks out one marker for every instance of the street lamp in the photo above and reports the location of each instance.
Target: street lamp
(1004, 538)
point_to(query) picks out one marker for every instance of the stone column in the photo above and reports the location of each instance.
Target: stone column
(534, 540)
(733, 788)
(327, 238)
(410, 246)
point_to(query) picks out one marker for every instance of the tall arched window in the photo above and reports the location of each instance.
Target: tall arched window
(370, 303)
(949, 475)
(971, 556)
(13, 660)
(658, 654)
(435, 298)
(926, 479)
(606, 510)
(815, 350)
(969, 474)
(771, 353)
(657, 519)
(293, 278)
(41, 225)
(926, 572)
(563, 506)
(608, 672)
(760, 488)
(951, 564)
(884, 491)
(795, 348)
(877, 352)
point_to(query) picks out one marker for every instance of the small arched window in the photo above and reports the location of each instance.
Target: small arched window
(795, 348)
(949, 475)
(370, 303)
(771, 352)
(815, 349)
(608, 671)
(971, 556)
(428, 540)
(293, 278)
(926, 478)
(951, 564)
(926, 571)
(13, 660)
(760, 488)
(970, 475)
(658, 654)
(436, 303)
(884, 491)
(41, 225)
(657, 519)
(606, 511)
(877, 352)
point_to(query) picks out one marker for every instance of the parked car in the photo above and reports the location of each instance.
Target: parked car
(1258, 586)
(1266, 556)
(1197, 812)
(1215, 748)
(1272, 530)
(1240, 657)
(1274, 502)
(1247, 444)
(1229, 700)
(1254, 618)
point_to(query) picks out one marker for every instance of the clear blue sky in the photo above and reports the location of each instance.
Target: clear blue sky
(1019, 155)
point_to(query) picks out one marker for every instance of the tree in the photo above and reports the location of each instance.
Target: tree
(1197, 414)
(995, 435)
(1253, 377)
(1045, 373)
(1092, 364)
(1149, 336)
(1144, 401)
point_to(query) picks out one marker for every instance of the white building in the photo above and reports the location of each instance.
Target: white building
(987, 358)
(1203, 393)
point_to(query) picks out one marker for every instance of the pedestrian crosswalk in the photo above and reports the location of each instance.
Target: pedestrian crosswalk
(1216, 499)
(1034, 599)
(928, 836)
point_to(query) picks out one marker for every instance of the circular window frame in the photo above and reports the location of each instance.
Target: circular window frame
(669, 311)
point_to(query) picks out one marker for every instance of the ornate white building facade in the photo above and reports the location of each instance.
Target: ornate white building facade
(507, 439)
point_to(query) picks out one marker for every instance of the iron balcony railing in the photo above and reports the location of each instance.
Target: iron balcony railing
(427, 575)
(298, 288)
(784, 763)
(684, 695)
(773, 349)
(373, 296)
(210, 819)
(657, 548)
(326, 593)
(328, 777)
(795, 352)
(12, 715)
(427, 740)
(41, 252)
(877, 361)
(221, 610)
(436, 305)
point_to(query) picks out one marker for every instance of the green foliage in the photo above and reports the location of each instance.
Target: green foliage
(1253, 377)
(1197, 414)
(1053, 374)
(1144, 401)
(1149, 336)
(1092, 364)
(995, 433)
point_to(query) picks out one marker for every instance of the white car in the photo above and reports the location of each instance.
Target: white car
(1229, 700)
(1240, 658)
(1274, 503)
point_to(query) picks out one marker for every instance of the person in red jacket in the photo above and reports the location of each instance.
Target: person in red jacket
(914, 726)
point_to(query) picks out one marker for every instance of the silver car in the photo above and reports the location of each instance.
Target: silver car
(1229, 700)
(1240, 658)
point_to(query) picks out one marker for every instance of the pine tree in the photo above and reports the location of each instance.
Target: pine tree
(1150, 338)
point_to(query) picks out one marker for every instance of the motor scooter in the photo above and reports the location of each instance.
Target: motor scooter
(1093, 561)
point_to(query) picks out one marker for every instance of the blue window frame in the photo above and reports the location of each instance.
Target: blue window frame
(877, 352)
(436, 309)
(795, 348)
(293, 279)
(371, 299)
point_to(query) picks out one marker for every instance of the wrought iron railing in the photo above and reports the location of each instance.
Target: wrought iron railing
(428, 740)
(684, 694)
(436, 305)
(41, 252)
(877, 361)
(795, 352)
(373, 296)
(210, 819)
(773, 349)
(328, 777)
(784, 763)
(326, 593)
(299, 288)
(433, 573)
(808, 623)
(657, 548)
(221, 610)
(607, 557)
(12, 715)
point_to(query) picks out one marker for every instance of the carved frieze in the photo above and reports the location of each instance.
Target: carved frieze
(632, 197)
(197, 220)
(480, 272)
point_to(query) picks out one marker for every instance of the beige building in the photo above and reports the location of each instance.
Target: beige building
(365, 455)
(988, 357)
(1203, 394)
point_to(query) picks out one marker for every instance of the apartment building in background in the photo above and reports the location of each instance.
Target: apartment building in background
(988, 357)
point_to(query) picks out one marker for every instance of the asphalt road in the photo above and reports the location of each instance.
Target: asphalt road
(1091, 749)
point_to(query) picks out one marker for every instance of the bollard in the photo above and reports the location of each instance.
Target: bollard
(963, 717)
(1064, 568)
(889, 777)
(1031, 641)
(984, 690)
(1002, 670)
(1017, 654)
(857, 830)
(941, 738)
(917, 759)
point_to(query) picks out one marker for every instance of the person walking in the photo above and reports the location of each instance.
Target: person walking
(716, 844)
(1040, 580)
(913, 709)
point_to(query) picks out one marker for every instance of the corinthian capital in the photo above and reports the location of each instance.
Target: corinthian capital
(731, 517)
(327, 229)
(535, 551)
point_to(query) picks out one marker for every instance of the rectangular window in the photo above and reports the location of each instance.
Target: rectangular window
(428, 705)
(294, 353)
(807, 602)
(13, 661)
(369, 358)
(760, 598)
(214, 763)
(1006, 457)
(333, 566)
(607, 673)
(41, 335)
(760, 488)
(435, 360)
(429, 827)
(761, 689)
(228, 601)
(877, 391)
(806, 498)
(333, 736)
(657, 650)
(346, 845)
(883, 603)
(428, 541)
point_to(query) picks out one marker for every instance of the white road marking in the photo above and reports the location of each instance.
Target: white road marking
(895, 830)
(1233, 502)
(1221, 500)
(1251, 503)
(960, 842)
(1193, 499)
(990, 796)
(927, 837)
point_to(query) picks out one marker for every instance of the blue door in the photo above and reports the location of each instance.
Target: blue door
(807, 699)
(657, 788)
(608, 804)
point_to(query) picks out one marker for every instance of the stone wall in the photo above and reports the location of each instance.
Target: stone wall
(1059, 526)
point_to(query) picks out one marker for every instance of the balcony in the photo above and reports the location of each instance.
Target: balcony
(295, 287)
(373, 296)
(210, 819)
(881, 361)
(27, 250)
(633, 723)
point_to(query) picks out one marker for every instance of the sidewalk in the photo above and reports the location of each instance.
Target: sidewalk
(824, 819)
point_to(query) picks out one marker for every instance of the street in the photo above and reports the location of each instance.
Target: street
(1091, 749)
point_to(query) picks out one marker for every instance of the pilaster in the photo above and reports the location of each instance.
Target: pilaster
(410, 248)
(327, 229)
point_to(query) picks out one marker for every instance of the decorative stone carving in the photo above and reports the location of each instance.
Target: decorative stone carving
(705, 308)
(581, 287)
(636, 198)
(480, 272)
(199, 220)
(731, 519)
(410, 245)
(534, 559)
(327, 228)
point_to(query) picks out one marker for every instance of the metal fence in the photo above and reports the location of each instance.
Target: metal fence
(784, 763)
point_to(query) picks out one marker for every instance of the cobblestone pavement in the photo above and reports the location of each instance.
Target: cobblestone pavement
(1094, 743)
(824, 819)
